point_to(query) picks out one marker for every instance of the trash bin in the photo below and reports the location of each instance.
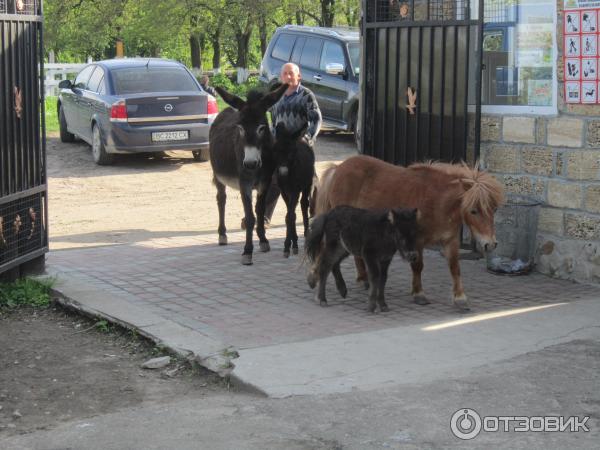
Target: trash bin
(516, 229)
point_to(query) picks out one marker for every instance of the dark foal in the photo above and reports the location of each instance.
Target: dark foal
(375, 236)
(241, 157)
(295, 171)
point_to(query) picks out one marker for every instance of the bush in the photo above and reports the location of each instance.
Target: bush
(222, 81)
(25, 292)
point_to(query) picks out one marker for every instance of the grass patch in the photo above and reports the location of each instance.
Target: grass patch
(25, 292)
(51, 114)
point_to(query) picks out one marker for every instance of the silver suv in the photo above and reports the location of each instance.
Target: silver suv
(329, 60)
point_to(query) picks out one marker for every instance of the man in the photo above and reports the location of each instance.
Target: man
(208, 89)
(297, 109)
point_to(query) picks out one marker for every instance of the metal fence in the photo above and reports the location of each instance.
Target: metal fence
(23, 199)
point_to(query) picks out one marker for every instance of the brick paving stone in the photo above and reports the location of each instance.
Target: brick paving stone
(203, 286)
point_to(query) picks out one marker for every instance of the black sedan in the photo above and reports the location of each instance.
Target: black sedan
(136, 106)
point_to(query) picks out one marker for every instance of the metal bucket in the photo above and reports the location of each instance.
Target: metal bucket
(516, 229)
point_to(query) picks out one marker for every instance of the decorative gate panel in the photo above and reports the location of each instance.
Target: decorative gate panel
(421, 76)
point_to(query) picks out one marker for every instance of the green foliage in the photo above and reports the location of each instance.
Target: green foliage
(25, 292)
(51, 114)
(103, 326)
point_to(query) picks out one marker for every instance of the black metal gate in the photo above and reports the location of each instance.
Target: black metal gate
(421, 76)
(23, 199)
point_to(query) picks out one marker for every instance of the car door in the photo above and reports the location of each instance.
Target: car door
(77, 123)
(91, 103)
(331, 89)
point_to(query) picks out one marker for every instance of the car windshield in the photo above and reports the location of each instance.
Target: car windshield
(133, 80)
(354, 52)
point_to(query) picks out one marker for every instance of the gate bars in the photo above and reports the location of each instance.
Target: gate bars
(23, 189)
(434, 48)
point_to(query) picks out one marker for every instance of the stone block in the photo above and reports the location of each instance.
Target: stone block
(500, 158)
(580, 226)
(523, 185)
(565, 132)
(540, 130)
(584, 165)
(551, 221)
(537, 160)
(593, 133)
(518, 129)
(592, 199)
(564, 195)
(560, 164)
(490, 128)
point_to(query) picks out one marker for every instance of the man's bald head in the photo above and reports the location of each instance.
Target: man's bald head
(290, 74)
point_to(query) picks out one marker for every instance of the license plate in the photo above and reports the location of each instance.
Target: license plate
(167, 136)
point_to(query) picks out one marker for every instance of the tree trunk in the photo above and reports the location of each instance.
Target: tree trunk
(195, 52)
(327, 12)
(299, 18)
(216, 45)
(263, 35)
(243, 43)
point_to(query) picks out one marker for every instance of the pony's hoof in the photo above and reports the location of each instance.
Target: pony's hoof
(323, 303)
(343, 291)
(384, 308)
(264, 247)
(286, 253)
(462, 303)
(371, 308)
(295, 250)
(247, 260)
(222, 239)
(420, 299)
(311, 279)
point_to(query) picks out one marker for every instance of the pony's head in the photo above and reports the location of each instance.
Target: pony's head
(482, 195)
(286, 147)
(252, 121)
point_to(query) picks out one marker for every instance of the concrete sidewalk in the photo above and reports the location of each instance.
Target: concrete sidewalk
(196, 297)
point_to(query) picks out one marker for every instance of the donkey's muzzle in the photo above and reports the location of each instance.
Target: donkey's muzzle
(252, 164)
(488, 247)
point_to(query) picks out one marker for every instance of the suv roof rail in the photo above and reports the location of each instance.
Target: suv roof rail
(336, 31)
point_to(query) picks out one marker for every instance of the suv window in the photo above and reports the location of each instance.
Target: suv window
(83, 77)
(95, 79)
(298, 49)
(133, 80)
(311, 53)
(332, 53)
(283, 47)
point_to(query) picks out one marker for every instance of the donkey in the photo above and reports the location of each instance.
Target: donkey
(241, 158)
(295, 165)
(373, 235)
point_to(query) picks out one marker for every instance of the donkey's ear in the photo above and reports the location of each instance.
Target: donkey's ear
(273, 97)
(232, 100)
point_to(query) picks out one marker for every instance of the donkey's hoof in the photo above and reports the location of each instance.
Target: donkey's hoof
(462, 303)
(222, 239)
(371, 307)
(295, 250)
(312, 280)
(286, 253)
(264, 247)
(323, 303)
(343, 292)
(384, 308)
(247, 260)
(420, 299)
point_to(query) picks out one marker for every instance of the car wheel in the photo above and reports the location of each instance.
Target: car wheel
(202, 155)
(65, 136)
(98, 151)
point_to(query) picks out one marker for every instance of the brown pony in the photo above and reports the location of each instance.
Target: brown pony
(447, 196)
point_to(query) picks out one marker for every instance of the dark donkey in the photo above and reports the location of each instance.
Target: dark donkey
(295, 165)
(241, 158)
(374, 235)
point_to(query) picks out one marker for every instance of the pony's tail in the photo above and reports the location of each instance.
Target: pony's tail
(312, 243)
(322, 203)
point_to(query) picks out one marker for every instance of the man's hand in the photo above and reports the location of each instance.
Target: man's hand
(308, 140)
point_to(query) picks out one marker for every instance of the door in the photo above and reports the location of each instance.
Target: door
(331, 89)
(428, 48)
(73, 100)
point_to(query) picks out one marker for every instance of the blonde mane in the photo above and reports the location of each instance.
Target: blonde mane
(482, 191)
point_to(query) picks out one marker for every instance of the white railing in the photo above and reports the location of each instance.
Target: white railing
(56, 72)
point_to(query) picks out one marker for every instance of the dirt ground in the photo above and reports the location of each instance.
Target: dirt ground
(58, 366)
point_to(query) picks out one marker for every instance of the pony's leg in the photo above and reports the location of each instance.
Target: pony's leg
(304, 205)
(385, 265)
(221, 200)
(374, 272)
(340, 284)
(246, 193)
(291, 238)
(417, 287)
(261, 201)
(451, 250)
(361, 271)
(323, 272)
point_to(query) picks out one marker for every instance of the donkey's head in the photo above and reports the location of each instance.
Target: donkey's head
(286, 147)
(252, 121)
(404, 223)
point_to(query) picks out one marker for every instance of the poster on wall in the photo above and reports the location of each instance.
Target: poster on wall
(581, 55)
